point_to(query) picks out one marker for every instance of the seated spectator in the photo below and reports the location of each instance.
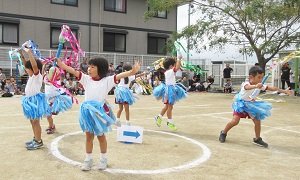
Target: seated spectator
(185, 82)
(156, 82)
(79, 89)
(2, 79)
(71, 85)
(9, 89)
(228, 86)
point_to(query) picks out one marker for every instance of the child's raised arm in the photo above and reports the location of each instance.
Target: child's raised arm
(67, 68)
(135, 68)
(32, 61)
(178, 63)
(22, 56)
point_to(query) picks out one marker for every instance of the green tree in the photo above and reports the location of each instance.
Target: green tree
(266, 26)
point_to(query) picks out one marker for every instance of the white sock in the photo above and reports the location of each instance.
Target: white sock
(127, 122)
(160, 115)
(170, 121)
(88, 156)
(103, 156)
(118, 119)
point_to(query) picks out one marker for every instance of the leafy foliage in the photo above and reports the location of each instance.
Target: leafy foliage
(264, 26)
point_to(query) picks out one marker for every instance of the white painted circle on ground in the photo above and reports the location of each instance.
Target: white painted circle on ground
(196, 162)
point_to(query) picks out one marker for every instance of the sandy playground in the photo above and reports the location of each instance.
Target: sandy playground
(193, 152)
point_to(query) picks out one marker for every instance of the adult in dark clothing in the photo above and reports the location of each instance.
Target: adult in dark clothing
(227, 72)
(285, 75)
(119, 68)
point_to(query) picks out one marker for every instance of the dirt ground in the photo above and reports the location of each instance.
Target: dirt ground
(193, 152)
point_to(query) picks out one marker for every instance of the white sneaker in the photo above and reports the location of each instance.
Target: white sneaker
(118, 123)
(102, 164)
(87, 165)
(128, 123)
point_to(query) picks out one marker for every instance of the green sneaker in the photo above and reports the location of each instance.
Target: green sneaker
(172, 126)
(158, 120)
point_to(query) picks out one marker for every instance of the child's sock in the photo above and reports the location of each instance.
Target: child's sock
(160, 115)
(127, 122)
(88, 156)
(103, 156)
(170, 121)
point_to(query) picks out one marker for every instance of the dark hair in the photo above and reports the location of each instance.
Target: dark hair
(102, 65)
(38, 62)
(126, 67)
(254, 70)
(168, 62)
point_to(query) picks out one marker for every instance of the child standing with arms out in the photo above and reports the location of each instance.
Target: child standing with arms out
(34, 102)
(56, 97)
(170, 92)
(95, 115)
(246, 107)
(124, 97)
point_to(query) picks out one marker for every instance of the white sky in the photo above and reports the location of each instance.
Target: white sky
(230, 52)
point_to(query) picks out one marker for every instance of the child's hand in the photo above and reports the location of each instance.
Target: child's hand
(259, 85)
(136, 67)
(58, 61)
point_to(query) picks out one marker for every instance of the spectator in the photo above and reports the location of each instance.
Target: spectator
(119, 68)
(2, 79)
(79, 89)
(292, 80)
(185, 82)
(84, 66)
(227, 72)
(156, 82)
(285, 75)
(71, 86)
(111, 69)
(228, 86)
(9, 88)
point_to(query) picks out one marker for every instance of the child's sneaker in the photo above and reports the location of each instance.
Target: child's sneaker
(102, 164)
(118, 123)
(260, 142)
(87, 165)
(171, 126)
(50, 130)
(29, 142)
(158, 120)
(35, 145)
(222, 137)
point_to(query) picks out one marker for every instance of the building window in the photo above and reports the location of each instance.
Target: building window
(156, 45)
(65, 2)
(115, 42)
(9, 33)
(161, 14)
(55, 32)
(115, 5)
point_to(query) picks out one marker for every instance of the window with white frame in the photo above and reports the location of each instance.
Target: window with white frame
(115, 42)
(115, 5)
(65, 2)
(9, 33)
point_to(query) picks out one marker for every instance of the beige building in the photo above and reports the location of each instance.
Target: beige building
(116, 26)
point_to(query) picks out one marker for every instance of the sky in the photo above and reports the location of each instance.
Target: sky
(230, 52)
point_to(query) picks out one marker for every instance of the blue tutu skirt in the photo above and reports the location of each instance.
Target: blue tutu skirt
(96, 117)
(124, 95)
(169, 94)
(60, 103)
(256, 109)
(35, 107)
